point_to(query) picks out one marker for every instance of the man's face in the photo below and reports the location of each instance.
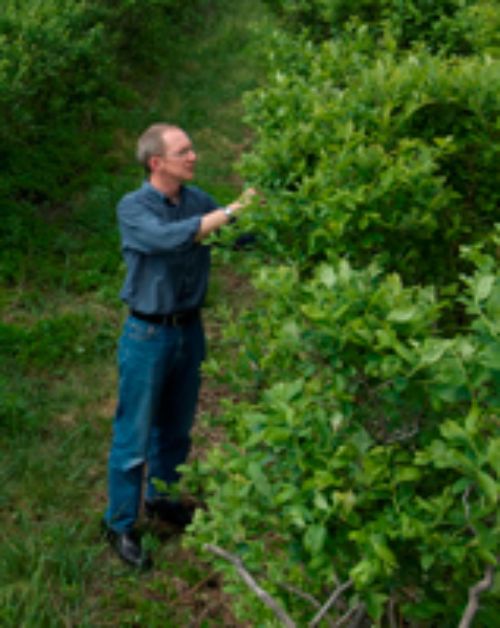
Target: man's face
(179, 160)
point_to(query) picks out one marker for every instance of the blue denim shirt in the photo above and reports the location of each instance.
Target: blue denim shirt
(167, 270)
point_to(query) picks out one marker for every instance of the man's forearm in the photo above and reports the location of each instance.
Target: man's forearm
(220, 217)
(211, 222)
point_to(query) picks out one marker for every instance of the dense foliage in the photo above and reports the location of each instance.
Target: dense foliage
(388, 157)
(62, 65)
(368, 448)
(450, 26)
(365, 447)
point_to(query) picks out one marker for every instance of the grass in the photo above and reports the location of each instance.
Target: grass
(59, 322)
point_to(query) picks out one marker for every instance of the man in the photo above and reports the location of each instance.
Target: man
(162, 226)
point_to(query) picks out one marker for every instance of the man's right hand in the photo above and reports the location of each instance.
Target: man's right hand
(243, 200)
(219, 217)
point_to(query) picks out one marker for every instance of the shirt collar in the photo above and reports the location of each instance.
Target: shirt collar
(150, 189)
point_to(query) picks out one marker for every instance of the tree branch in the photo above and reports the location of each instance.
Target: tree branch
(305, 596)
(302, 594)
(391, 612)
(330, 602)
(356, 611)
(248, 579)
(474, 593)
(358, 617)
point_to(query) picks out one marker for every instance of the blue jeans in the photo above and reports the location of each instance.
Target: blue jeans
(159, 369)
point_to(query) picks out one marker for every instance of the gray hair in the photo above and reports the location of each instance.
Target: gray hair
(152, 142)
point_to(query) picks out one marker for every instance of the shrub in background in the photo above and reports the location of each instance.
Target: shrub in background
(375, 156)
(451, 26)
(61, 80)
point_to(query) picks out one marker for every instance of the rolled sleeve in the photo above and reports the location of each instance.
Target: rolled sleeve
(147, 233)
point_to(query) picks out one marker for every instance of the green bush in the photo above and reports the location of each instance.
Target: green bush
(364, 444)
(57, 86)
(368, 449)
(62, 70)
(374, 157)
(452, 26)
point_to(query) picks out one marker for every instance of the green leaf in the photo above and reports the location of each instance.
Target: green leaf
(298, 514)
(407, 474)
(259, 479)
(320, 502)
(383, 552)
(375, 603)
(327, 276)
(490, 356)
(313, 312)
(488, 485)
(364, 572)
(427, 560)
(432, 350)
(344, 500)
(403, 314)
(284, 391)
(451, 430)
(472, 420)
(483, 287)
(287, 494)
(314, 538)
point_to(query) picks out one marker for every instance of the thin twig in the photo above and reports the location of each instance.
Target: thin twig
(474, 592)
(391, 612)
(358, 617)
(248, 579)
(199, 585)
(307, 597)
(465, 502)
(355, 610)
(330, 602)
(302, 594)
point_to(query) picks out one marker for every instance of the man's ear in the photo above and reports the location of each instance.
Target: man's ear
(154, 163)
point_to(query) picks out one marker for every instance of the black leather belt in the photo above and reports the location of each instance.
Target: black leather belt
(180, 319)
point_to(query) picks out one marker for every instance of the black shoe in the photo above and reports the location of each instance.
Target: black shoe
(167, 511)
(128, 547)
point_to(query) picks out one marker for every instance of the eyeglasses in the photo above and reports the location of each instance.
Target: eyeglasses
(181, 154)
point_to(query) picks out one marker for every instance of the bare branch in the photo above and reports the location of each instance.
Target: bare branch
(356, 611)
(474, 592)
(306, 597)
(330, 602)
(391, 613)
(248, 579)
(358, 617)
(465, 502)
(302, 594)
